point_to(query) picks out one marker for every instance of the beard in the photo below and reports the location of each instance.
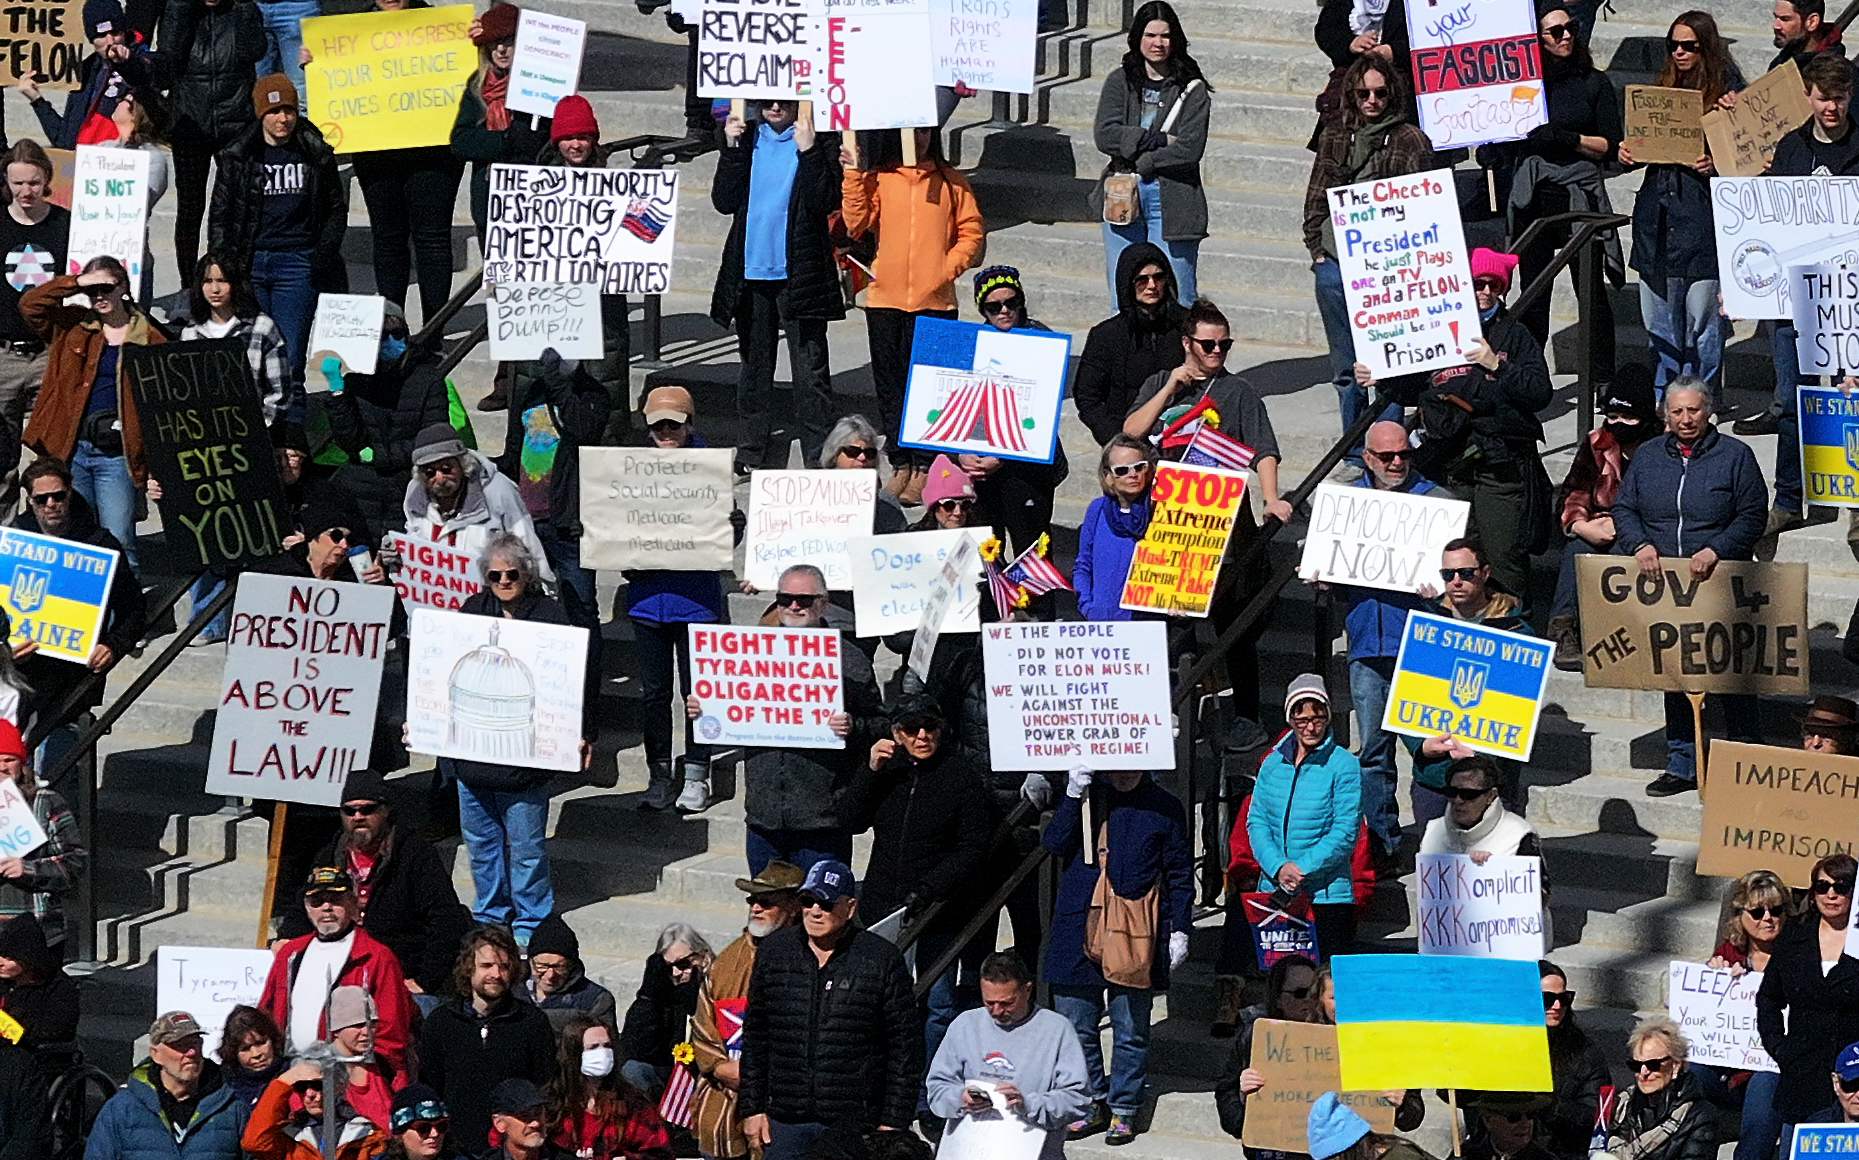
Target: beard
(761, 930)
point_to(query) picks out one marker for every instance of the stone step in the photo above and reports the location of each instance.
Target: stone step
(1615, 803)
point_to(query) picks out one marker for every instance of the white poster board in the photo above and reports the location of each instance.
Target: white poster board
(1477, 71)
(1824, 298)
(1717, 1013)
(998, 1134)
(985, 46)
(1767, 224)
(1369, 538)
(657, 508)
(874, 65)
(1070, 693)
(109, 209)
(299, 690)
(433, 575)
(1407, 275)
(526, 319)
(207, 983)
(349, 326)
(1494, 911)
(980, 391)
(611, 228)
(807, 517)
(484, 688)
(894, 577)
(756, 50)
(767, 686)
(944, 595)
(20, 831)
(547, 64)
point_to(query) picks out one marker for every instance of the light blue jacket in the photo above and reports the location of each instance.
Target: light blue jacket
(1308, 814)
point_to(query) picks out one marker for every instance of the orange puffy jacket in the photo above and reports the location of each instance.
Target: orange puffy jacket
(929, 231)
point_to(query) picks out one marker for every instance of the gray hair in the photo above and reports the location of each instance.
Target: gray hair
(323, 1056)
(511, 547)
(683, 932)
(819, 577)
(1676, 1045)
(845, 431)
(1128, 443)
(1688, 383)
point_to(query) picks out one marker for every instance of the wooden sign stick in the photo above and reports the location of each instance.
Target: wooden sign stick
(278, 813)
(909, 139)
(1089, 829)
(1452, 1101)
(1697, 737)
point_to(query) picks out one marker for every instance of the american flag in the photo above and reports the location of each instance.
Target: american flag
(1007, 595)
(1211, 447)
(674, 1107)
(1034, 573)
(644, 220)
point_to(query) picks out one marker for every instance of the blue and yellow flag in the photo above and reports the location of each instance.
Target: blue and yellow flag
(1829, 446)
(1481, 685)
(55, 592)
(1440, 1021)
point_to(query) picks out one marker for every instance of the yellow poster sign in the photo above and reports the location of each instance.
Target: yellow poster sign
(1178, 558)
(388, 80)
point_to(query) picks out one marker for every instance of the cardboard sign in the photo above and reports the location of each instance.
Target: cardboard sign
(987, 47)
(56, 592)
(486, 688)
(434, 575)
(1824, 1140)
(893, 578)
(657, 508)
(45, 37)
(1070, 694)
(754, 50)
(999, 1134)
(807, 517)
(981, 391)
(767, 686)
(388, 80)
(1744, 630)
(1280, 927)
(1370, 538)
(1300, 1061)
(525, 320)
(204, 435)
(1829, 424)
(547, 64)
(1743, 139)
(610, 228)
(1178, 559)
(1481, 686)
(1406, 272)
(1478, 72)
(208, 982)
(1825, 301)
(1440, 1021)
(875, 65)
(349, 327)
(1771, 808)
(944, 595)
(20, 831)
(300, 687)
(1717, 1013)
(1664, 126)
(1491, 911)
(109, 209)
(1767, 224)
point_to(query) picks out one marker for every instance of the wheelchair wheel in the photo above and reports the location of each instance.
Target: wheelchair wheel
(75, 1099)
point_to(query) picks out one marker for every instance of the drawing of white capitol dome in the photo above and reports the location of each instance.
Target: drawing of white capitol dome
(493, 703)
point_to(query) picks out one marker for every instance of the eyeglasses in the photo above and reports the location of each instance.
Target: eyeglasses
(361, 811)
(1558, 998)
(1002, 305)
(918, 727)
(443, 467)
(1211, 345)
(801, 600)
(41, 498)
(1833, 886)
(1450, 574)
(552, 968)
(666, 426)
(1672, 45)
(1559, 31)
(1120, 470)
(1310, 719)
(1761, 912)
(954, 505)
(1651, 1064)
(1380, 94)
(856, 452)
(1296, 992)
(1390, 456)
(503, 575)
(1460, 793)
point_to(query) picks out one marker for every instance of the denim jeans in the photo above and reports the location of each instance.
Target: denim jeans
(661, 649)
(1685, 331)
(283, 40)
(105, 483)
(1368, 693)
(1567, 600)
(503, 832)
(799, 847)
(1742, 721)
(948, 997)
(794, 1141)
(1182, 256)
(281, 279)
(1129, 1040)
(1788, 487)
(209, 585)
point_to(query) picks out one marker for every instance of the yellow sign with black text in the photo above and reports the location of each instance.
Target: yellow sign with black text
(387, 80)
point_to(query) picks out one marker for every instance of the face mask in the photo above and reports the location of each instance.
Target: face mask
(1626, 432)
(393, 348)
(597, 1062)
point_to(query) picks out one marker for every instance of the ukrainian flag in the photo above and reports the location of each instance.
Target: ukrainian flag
(1480, 685)
(1829, 446)
(1410, 1021)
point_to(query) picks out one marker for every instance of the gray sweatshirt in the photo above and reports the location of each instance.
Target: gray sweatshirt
(1041, 1057)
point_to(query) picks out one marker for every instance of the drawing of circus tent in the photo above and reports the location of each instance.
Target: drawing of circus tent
(980, 407)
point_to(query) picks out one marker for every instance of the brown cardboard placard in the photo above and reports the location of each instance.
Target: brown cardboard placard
(1771, 808)
(1664, 125)
(1743, 139)
(1300, 1062)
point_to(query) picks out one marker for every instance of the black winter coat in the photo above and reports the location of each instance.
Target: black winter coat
(812, 288)
(931, 823)
(1679, 1109)
(794, 789)
(464, 1056)
(1122, 351)
(211, 49)
(580, 406)
(375, 421)
(1504, 427)
(840, 1044)
(25, 1128)
(658, 1016)
(239, 193)
(412, 907)
(1823, 1017)
(1579, 1072)
(521, 144)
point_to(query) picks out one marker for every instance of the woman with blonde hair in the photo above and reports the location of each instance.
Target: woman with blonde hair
(1760, 905)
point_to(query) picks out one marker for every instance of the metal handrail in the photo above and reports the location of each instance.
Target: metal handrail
(1588, 225)
(1846, 18)
(71, 706)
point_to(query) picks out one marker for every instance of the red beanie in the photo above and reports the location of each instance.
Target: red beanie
(497, 23)
(574, 117)
(11, 743)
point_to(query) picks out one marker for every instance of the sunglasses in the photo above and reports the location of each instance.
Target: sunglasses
(1559, 31)
(1558, 998)
(337, 535)
(1761, 912)
(1489, 285)
(1002, 305)
(1211, 345)
(503, 575)
(1122, 470)
(859, 452)
(809, 902)
(687, 963)
(1651, 1064)
(1390, 456)
(666, 427)
(1833, 886)
(1372, 94)
(427, 1127)
(1450, 574)
(1297, 992)
(361, 811)
(918, 727)
(325, 898)
(1460, 793)
(954, 505)
(1149, 279)
(797, 599)
(1849, 1086)
(62, 495)
(447, 467)
(1671, 45)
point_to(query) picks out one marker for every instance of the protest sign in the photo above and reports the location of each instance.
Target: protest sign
(1482, 686)
(1066, 694)
(998, 1134)
(1743, 138)
(807, 517)
(1280, 926)
(433, 575)
(1300, 1061)
(1815, 1140)
(1824, 298)
(944, 595)
(109, 209)
(657, 508)
(1378, 539)
(1767, 224)
(387, 80)
(203, 434)
(981, 391)
(1664, 125)
(1478, 74)
(1406, 272)
(64, 171)
(547, 63)
(300, 687)
(893, 578)
(525, 320)
(349, 327)
(208, 982)
(55, 592)
(610, 228)
(20, 831)
(1776, 809)
(1178, 559)
(1491, 911)
(1440, 1021)
(985, 46)
(756, 49)
(1717, 1012)
(44, 38)
(767, 686)
(874, 65)
(1829, 425)
(485, 688)
(1744, 630)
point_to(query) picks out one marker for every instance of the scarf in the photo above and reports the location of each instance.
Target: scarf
(496, 115)
(1367, 139)
(1625, 1143)
(1498, 832)
(1129, 524)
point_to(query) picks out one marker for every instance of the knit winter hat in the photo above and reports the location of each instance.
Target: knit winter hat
(995, 277)
(1492, 264)
(498, 23)
(946, 481)
(574, 117)
(1632, 391)
(1333, 1127)
(273, 93)
(101, 16)
(553, 936)
(11, 743)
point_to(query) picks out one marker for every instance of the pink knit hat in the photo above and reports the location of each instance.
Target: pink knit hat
(1493, 264)
(946, 481)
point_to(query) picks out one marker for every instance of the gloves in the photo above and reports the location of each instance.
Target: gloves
(1079, 782)
(332, 373)
(1177, 949)
(1037, 791)
(551, 361)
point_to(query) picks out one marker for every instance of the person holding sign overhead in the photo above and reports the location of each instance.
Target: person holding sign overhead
(122, 62)
(1807, 1008)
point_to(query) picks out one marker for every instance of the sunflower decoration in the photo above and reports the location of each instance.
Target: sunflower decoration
(683, 1053)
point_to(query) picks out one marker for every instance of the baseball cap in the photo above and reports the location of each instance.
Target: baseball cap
(176, 1025)
(774, 878)
(328, 880)
(829, 881)
(1847, 1065)
(672, 403)
(515, 1096)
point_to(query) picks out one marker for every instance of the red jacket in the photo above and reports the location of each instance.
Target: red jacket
(640, 1135)
(371, 965)
(1243, 870)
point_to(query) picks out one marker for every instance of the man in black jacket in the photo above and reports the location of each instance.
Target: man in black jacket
(1140, 340)
(211, 47)
(778, 270)
(831, 1038)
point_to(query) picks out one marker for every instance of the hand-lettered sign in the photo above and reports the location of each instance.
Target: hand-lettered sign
(1477, 69)
(1070, 694)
